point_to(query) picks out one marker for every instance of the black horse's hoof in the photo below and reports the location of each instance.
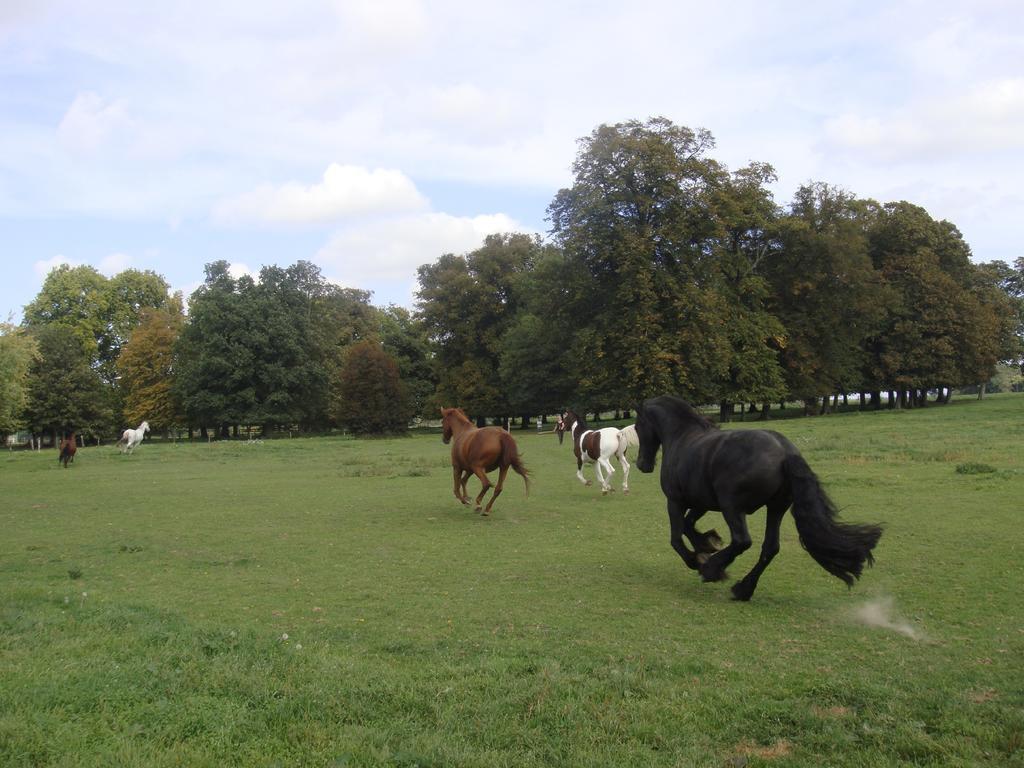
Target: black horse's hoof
(741, 592)
(708, 575)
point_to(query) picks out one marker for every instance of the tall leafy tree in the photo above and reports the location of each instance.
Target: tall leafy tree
(927, 265)
(633, 221)
(64, 390)
(371, 398)
(216, 351)
(101, 312)
(535, 367)
(75, 298)
(343, 317)
(265, 352)
(404, 338)
(745, 246)
(147, 368)
(1010, 280)
(290, 376)
(18, 350)
(826, 292)
(989, 325)
(130, 294)
(466, 304)
(669, 296)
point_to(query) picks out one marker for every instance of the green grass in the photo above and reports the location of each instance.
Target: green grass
(328, 602)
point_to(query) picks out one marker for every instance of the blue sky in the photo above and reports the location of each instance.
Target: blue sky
(372, 136)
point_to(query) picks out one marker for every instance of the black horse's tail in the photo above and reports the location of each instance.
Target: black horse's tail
(839, 548)
(510, 457)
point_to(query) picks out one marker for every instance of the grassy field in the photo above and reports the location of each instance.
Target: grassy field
(327, 602)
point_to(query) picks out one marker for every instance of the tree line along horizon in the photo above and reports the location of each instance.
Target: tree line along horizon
(665, 272)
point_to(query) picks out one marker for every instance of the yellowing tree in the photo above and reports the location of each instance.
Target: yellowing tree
(146, 368)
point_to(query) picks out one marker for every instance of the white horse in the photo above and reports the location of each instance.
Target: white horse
(596, 446)
(132, 437)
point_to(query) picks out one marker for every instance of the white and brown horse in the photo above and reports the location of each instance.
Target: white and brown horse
(596, 446)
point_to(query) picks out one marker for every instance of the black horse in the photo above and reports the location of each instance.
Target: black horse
(736, 473)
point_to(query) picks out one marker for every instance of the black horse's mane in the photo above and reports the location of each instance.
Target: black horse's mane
(683, 410)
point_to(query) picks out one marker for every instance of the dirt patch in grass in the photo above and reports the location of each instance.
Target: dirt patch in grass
(983, 696)
(781, 748)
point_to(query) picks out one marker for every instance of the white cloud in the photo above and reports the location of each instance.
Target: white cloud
(345, 190)
(92, 121)
(986, 117)
(391, 24)
(237, 269)
(114, 263)
(468, 112)
(391, 250)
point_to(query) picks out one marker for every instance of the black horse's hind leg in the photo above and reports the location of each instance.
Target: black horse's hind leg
(676, 517)
(705, 543)
(713, 569)
(742, 590)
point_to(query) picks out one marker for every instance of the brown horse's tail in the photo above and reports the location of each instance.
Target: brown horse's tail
(510, 457)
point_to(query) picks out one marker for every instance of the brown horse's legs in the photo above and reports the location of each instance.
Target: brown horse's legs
(460, 485)
(466, 474)
(497, 489)
(485, 483)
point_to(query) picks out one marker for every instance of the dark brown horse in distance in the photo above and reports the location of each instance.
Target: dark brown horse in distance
(68, 446)
(477, 451)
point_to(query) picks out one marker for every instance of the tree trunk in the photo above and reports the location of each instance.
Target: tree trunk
(725, 412)
(981, 390)
(764, 411)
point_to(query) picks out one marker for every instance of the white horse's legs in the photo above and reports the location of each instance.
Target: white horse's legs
(625, 471)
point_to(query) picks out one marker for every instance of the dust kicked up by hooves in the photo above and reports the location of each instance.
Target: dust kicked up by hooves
(881, 614)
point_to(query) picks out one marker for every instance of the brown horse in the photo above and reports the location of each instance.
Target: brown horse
(478, 451)
(68, 446)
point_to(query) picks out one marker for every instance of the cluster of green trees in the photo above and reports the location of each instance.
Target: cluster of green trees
(665, 272)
